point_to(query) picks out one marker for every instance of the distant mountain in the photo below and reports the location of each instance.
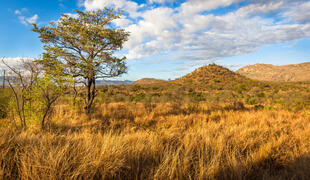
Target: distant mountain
(110, 82)
(268, 72)
(149, 81)
(98, 82)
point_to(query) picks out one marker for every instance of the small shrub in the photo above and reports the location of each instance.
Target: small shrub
(261, 95)
(240, 88)
(236, 105)
(3, 112)
(259, 107)
(139, 97)
(268, 108)
(192, 108)
(251, 101)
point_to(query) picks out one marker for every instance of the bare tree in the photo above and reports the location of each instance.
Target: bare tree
(21, 81)
(35, 90)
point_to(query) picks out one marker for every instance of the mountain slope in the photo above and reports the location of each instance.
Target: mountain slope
(268, 72)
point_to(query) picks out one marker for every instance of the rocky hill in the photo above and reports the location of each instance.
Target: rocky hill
(268, 72)
(212, 76)
(148, 81)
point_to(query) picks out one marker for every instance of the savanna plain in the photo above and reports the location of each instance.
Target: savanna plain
(210, 124)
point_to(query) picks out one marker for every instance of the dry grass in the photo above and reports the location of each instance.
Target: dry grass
(161, 141)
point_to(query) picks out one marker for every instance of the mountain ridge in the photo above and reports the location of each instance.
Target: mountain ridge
(282, 73)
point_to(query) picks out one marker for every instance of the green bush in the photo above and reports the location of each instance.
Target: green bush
(250, 101)
(197, 96)
(3, 112)
(240, 88)
(4, 101)
(259, 107)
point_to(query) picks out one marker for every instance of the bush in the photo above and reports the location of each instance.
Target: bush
(240, 88)
(3, 112)
(259, 107)
(251, 101)
(236, 106)
(4, 100)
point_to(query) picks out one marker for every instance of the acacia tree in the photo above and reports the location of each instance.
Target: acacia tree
(84, 44)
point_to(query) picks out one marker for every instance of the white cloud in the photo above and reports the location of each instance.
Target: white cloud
(22, 20)
(17, 12)
(256, 9)
(192, 32)
(20, 11)
(13, 61)
(26, 20)
(122, 22)
(130, 6)
(33, 19)
(152, 36)
(72, 15)
(196, 6)
(299, 13)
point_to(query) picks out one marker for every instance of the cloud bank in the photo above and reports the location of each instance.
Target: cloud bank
(206, 29)
(13, 61)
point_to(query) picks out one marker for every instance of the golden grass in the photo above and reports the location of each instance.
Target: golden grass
(161, 141)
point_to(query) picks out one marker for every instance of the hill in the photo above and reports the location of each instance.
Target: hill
(268, 72)
(148, 81)
(212, 76)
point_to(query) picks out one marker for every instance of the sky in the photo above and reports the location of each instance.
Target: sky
(170, 38)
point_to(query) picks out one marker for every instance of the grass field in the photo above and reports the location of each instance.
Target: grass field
(191, 128)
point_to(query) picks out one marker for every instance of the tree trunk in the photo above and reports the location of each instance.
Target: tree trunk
(91, 93)
(75, 94)
(3, 80)
(45, 116)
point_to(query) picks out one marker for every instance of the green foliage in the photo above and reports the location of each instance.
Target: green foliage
(35, 89)
(136, 88)
(251, 101)
(259, 107)
(139, 97)
(5, 97)
(84, 45)
(296, 96)
(240, 88)
(261, 95)
(269, 108)
(197, 96)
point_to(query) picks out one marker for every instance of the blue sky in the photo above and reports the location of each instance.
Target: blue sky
(170, 38)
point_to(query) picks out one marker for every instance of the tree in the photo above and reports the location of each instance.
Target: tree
(47, 90)
(84, 45)
(35, 89)
(21, 81)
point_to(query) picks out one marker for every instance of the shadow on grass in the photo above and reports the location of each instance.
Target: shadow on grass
(269, 169)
